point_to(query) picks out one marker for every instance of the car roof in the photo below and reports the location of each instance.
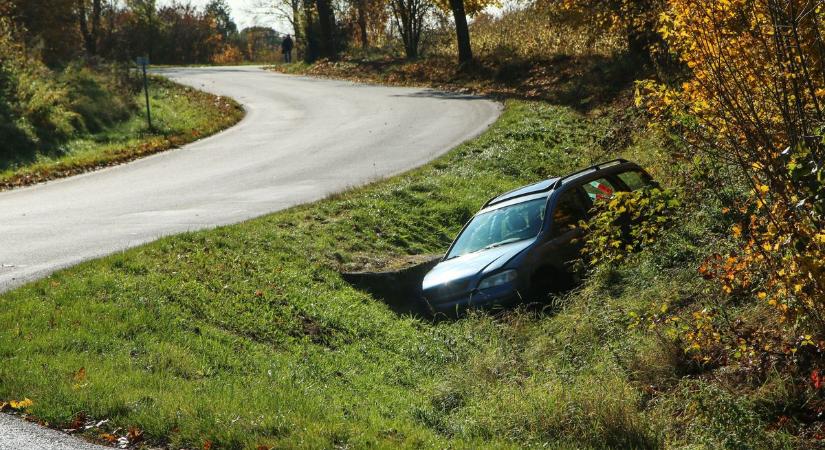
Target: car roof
(530, 189)
(554, 183)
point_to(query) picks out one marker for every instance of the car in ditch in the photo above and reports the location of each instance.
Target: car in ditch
(524, 243)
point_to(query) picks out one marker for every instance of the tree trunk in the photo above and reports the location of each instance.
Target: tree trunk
(90, 37)
(95, 26)
(326, 25)
(462, 31)
(84, 27)
(296, 27)
(362, 23)
(311, 47)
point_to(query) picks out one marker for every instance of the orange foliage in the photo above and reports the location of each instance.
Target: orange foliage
(754, 102)
(230, 54)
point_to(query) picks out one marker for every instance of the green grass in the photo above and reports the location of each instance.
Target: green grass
(179, 115)
(247, 335)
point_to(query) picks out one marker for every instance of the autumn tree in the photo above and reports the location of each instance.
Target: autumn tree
(259, 43)
(755, 103)
(89, 22)
(219, 11)
(50, 25)
(361, 12)
(327, 26)
(409, 16)
(460, 9)
(638, 20)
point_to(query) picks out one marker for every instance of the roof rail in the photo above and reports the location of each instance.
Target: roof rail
(599, 166)
(504, 197)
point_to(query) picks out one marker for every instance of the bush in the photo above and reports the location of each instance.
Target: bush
(627, 223)
(34, 108)
(97, 97)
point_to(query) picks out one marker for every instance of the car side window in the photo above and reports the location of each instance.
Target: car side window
(599, 189)
(634, 179)
(570, 209)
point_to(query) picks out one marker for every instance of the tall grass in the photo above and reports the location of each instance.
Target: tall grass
(535, 32)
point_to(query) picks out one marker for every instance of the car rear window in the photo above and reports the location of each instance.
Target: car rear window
(634, 179)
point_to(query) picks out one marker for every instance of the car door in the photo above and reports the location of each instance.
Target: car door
(562, 244)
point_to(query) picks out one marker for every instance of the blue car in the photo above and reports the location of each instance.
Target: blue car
(524, 243)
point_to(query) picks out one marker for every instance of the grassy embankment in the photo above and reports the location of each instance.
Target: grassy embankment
(247, 335)
(179, 115)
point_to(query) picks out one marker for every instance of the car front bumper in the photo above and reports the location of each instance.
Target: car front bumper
(503, 295)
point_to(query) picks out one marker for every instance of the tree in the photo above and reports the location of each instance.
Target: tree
(328, 47)
(638, 20)
(143, 26)
(219, 11)
(462, 31)
(259, 43)
(754, 106)
(460, 9)
(361, 10)
(409, 17)
(310, 32)
(50, 26)
(91, 36)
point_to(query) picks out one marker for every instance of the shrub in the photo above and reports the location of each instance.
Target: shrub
(753, 102)
(230, 54)
(97, 97)
(34, 109)
(627, 223)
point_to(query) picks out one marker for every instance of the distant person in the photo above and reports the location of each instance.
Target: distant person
(286, 48)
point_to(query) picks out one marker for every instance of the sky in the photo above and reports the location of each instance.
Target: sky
(247, 13)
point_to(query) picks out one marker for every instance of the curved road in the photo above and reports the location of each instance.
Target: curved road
(301, 140)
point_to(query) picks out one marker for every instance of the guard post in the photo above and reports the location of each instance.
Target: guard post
(142, 62)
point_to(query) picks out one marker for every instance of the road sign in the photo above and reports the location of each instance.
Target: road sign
(142, 61)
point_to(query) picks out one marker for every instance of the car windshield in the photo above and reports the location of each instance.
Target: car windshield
(501, 226)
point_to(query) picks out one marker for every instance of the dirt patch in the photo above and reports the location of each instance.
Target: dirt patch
(397, 283)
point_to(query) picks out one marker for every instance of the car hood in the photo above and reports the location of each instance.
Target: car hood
(459, 272)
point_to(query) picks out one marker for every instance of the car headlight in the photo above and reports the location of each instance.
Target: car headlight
(498, 279)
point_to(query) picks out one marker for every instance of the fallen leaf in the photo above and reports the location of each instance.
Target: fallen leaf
(135, 435)
(21, 404)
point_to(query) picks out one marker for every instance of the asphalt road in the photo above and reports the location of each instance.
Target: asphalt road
(302, 139)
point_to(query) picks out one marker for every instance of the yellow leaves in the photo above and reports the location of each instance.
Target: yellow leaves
(17, 405)
(737, 230)
(22, 404)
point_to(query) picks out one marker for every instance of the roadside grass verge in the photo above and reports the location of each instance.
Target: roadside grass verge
(180, 115)
(247, 336)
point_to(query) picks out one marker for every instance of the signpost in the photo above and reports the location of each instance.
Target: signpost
(142, 62)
